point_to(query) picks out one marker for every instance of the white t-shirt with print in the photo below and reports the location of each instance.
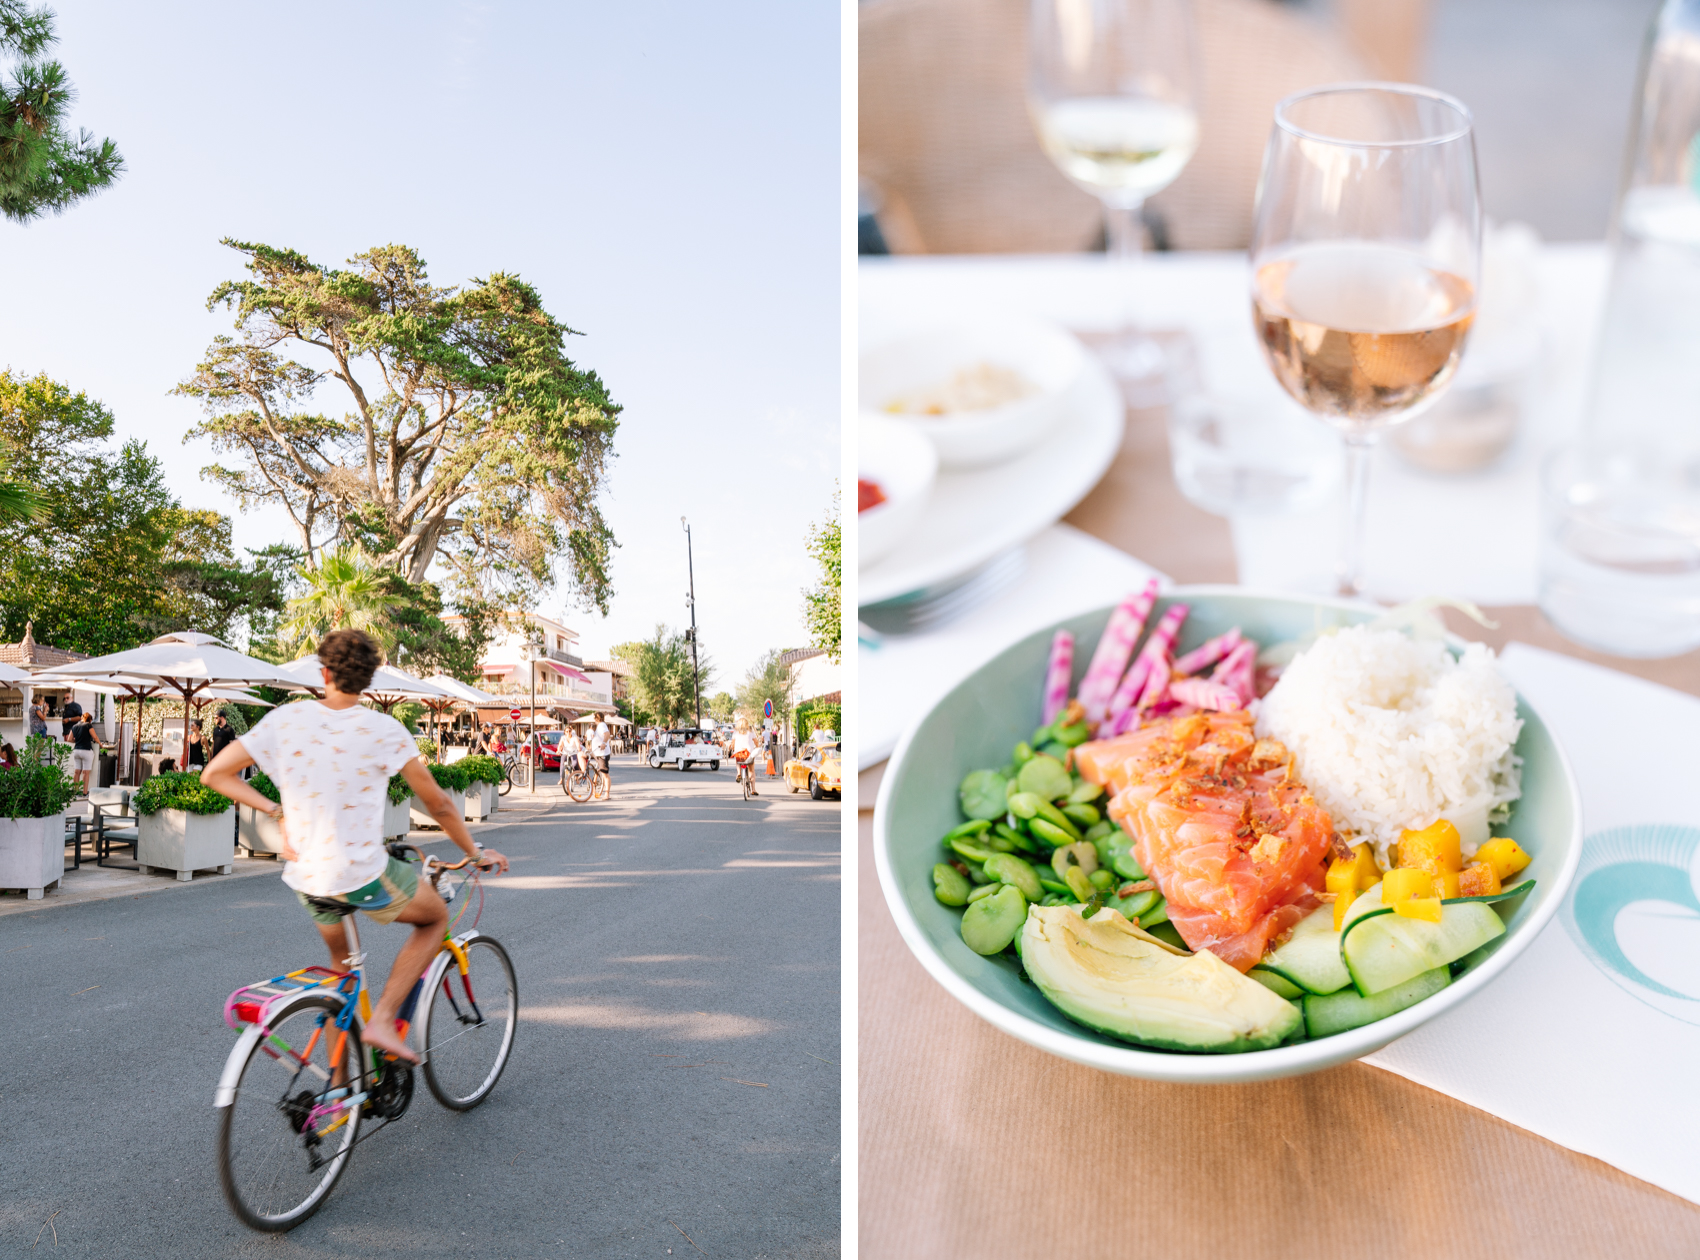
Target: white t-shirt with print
(599, 741)
(332, 767)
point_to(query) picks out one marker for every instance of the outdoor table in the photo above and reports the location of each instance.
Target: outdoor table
(973, 1143)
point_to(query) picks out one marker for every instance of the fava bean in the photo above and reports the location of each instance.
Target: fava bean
(1071, 736)
(1083, 815)
(968, 849)
(1085, 793)
(1058, 751)
(982, 794)
(1013, 870)
(1079, 855)
(1050, 832)
(1136, 904)
(998, 843)
(1023, 754)
(1158, 913)
(1046, 778)
(950, 885)
(1103, 880)
(967, 830)
(982, 892)
(1025, 804)
(977, 873)
(1051, 814)
(990, 924)
(1104, 827)
(1079, 884)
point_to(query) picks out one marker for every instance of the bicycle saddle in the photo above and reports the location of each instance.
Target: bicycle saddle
(331, 907)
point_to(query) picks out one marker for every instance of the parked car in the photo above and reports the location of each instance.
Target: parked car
(549, 750)
(685, 748)
(819, 769)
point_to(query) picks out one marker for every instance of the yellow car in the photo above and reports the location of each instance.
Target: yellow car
(818, 769)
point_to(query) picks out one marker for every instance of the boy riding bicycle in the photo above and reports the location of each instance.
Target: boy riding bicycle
(331, 760)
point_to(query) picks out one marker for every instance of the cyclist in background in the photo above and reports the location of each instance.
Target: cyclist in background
(744, 751)
(600, 751)
(572, 749)
(331, 760)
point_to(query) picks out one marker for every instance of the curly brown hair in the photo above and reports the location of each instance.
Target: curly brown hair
(351, 657)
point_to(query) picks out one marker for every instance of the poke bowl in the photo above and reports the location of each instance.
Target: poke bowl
(999, 706)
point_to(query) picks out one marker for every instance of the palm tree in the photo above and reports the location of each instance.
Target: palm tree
(17, 501)
(346, 592)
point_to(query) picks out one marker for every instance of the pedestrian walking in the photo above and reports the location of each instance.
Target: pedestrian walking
(599, 749)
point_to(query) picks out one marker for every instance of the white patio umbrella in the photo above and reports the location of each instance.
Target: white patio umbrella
(185, 662)
(455, 692)
(12, 674)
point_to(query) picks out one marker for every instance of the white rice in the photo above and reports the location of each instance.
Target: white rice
(1391, 732)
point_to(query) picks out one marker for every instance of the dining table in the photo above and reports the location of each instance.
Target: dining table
(973, 1143)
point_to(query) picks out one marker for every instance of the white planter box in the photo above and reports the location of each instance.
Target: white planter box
(422, 816)
(480, 802)
(174, 840)
(492, 798)
(259, 833)
(398, 819)
(32, 853)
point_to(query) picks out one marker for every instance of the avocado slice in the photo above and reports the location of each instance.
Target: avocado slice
(1108, 975)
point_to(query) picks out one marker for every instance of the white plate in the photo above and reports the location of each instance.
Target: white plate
(977, 514)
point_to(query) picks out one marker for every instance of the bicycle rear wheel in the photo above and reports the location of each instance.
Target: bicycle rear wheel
(282, 1144)
(521, 773)
(468, 1023)
(507, 783)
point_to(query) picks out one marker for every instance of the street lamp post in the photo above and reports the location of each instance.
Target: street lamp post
(691, 599)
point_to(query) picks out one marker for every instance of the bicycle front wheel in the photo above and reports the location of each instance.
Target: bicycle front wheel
(469, 1025)
(577, 786)
(507, 783)
(286, 1135)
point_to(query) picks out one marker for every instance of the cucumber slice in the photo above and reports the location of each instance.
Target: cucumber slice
(1311, 956)
(1327, 1014)
(1383, 949)
(1279, 985)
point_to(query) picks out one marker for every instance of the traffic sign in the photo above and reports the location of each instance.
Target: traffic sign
(767, 708)
(514, 715)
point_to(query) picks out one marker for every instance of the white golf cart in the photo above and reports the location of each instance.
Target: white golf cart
(685, 748)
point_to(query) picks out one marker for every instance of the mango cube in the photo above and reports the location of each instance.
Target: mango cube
(1446, 883)
(1504, 855)
(1436, 848)
(1425, 908)
(1402, 884)
(1478, 880)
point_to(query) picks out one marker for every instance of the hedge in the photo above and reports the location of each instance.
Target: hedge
(807, 718)
(399, 790)
(38, 787)
(481, 769)
(179, 789)
(451, 778)
(261, 783)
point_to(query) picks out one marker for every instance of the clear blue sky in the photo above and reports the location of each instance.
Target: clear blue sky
(665, 174)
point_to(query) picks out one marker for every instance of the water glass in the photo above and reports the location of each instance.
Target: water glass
(1250, 455)
(1620, 550)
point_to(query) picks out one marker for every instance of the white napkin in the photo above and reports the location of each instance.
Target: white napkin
(1576, 1041)
(1065, 572)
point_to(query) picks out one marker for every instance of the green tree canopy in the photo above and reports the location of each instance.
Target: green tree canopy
(766, 680)
(470, 435)
(43, 167)
(113, 559)
(661, 684)
(721, 706)
(822, 607)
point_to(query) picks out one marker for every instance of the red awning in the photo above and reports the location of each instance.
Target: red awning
(565, 671)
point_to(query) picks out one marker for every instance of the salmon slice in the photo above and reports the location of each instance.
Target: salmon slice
(1233, 839)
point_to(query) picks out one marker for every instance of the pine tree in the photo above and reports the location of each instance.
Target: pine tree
(43, 167)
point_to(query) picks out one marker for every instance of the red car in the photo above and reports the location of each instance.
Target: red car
(549, 750)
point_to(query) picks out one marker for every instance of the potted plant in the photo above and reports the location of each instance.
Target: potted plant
(183, 826)
(33, 798)
(453, 780)
(257, 832)
(398, 814)
(484, 774)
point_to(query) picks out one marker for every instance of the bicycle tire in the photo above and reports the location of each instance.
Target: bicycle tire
(581, 788)
(507, 783)
(521, 774)
(443, 1067)
(240, 1189)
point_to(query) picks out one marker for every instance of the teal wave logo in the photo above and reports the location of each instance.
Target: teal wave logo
(1635, 911)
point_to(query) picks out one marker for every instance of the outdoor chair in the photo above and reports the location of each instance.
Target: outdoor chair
(75, 825)
(956, 168)
(114, 823)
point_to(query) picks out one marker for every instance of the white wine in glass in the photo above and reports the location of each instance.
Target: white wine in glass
(1112, 89)
(1365, 257)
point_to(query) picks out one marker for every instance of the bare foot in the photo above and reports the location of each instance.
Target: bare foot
(375, 1034)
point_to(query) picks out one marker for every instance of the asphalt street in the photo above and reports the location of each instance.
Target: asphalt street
(675, 1070)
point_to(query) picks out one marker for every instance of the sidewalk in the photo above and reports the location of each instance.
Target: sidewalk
(102, 883)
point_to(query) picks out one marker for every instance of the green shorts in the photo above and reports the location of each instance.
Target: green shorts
(384, 898)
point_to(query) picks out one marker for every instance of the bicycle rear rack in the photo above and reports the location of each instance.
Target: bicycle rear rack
(252, 1002)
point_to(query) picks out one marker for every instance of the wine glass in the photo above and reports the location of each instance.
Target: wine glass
(1365, 256)
(1112, 88)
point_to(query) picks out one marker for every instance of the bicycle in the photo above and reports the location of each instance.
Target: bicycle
(578, 781)
(291, 1117)
(516, 770)
(747, 775)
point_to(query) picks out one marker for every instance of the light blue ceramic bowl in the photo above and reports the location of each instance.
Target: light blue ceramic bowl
(981, 720)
